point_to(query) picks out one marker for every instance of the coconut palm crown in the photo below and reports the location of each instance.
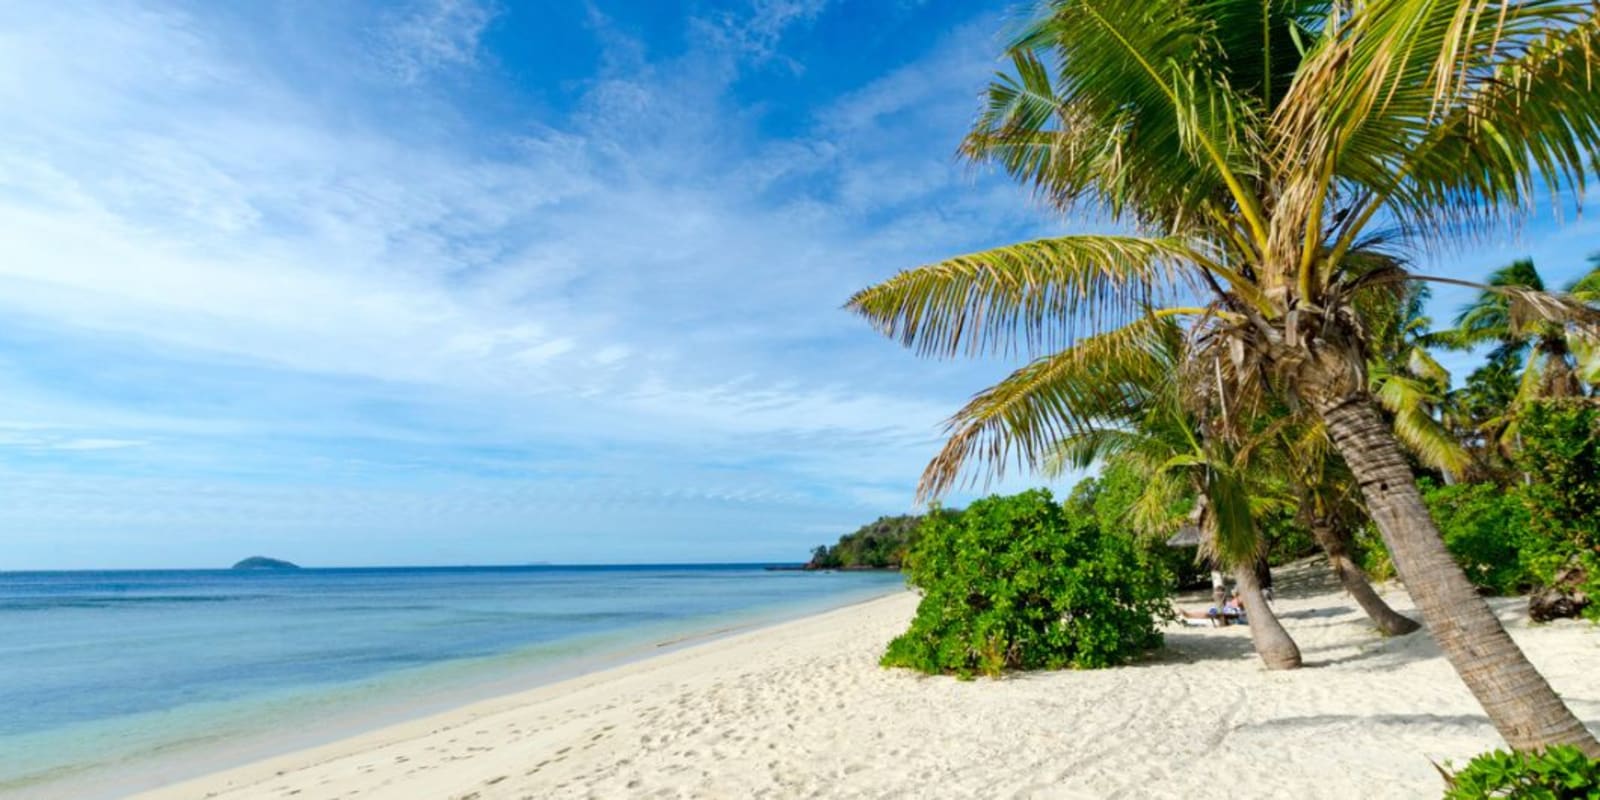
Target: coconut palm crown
(1551, 352)
(1279, 161)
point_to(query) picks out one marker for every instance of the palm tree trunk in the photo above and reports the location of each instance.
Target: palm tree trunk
(1520, 703)
(1335, 544)
(1272, 642)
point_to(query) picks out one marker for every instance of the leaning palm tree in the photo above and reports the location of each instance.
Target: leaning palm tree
(1148, 423)
(1267, 154)
(1329, 508)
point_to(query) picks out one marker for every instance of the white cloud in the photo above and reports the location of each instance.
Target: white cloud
(756, 35)
(430, 35)
(41, 438)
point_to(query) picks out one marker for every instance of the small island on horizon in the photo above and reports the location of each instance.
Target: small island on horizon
(262, 562)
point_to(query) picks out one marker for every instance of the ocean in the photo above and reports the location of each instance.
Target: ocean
(122, 680)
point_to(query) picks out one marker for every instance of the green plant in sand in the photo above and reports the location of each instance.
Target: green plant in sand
(1559, 773)
(1017, 583)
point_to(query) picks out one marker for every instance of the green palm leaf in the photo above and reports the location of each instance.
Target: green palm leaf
(1022, 420)
(1153, 123)
(1408, 401)
(1041, 293)
(1441, 115)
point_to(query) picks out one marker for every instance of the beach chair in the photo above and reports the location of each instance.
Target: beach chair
(1215, 619)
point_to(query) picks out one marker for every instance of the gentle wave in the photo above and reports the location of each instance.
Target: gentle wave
(114, 601)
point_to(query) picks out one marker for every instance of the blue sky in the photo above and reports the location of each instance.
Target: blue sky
(446, 281)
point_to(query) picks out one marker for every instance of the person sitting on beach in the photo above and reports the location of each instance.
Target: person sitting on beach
(1232, 611)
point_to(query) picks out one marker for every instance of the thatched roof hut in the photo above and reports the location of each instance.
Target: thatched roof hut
(1187, 536)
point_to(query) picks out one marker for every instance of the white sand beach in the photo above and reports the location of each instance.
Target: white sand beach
(803, 710)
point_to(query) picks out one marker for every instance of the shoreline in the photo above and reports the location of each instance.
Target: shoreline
(250, 777)
(801, 709)
(403, 698)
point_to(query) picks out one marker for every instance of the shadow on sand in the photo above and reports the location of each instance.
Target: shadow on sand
(1322, 720)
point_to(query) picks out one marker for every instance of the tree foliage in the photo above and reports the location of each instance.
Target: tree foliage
(1018, 583)
(880, 544)
(1485, 526)
(1561, 456)
(1110, 498)
(1558, 773)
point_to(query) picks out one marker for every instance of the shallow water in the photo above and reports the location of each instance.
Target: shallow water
(100, 671)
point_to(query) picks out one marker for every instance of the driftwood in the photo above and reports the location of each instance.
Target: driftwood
(1562, 599)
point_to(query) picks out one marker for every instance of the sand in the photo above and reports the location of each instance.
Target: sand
(803, 710)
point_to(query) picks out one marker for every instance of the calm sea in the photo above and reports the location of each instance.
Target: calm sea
(135, 678)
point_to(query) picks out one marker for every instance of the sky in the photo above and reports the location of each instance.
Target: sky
(471, 282)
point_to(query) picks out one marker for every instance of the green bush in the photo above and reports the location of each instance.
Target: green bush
(1561, 456)
(1017, 583)
(1372, 554)
(1558, 773)
(1485, 527)
(1108, 499)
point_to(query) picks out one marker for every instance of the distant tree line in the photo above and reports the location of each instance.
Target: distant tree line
(880, 544)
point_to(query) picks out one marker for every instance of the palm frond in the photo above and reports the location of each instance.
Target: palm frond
(1082, 449)
(1152, 511)
(1234, 539)
(1586, 350)
(1147, 125)
(1421, 363)
(1446, 116)
(1020, 420)
(1408, 401)
(1038, 295)
(1587, 286)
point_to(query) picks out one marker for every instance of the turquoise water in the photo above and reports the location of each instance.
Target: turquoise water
(104, 671)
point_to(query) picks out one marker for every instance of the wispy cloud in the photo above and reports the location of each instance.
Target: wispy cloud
(262, 286)
(428, 35)
(756, 33)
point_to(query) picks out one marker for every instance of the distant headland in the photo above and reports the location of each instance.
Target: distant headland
(262, 562)
(879, 545)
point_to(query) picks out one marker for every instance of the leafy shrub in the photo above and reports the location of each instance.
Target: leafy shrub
(1559, 773)
(1109, 498)
(1017, 583)
(1561, 456)
(1485, 527)
(1372, 554)
(1288, 538)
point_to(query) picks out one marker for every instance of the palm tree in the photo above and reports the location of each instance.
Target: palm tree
(1268, 154)
(1328, 507)
(1152, 427)
(1139, 417)
(1479, 413)
(1549, 368)
(1554, 359)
